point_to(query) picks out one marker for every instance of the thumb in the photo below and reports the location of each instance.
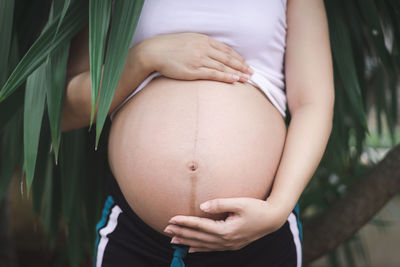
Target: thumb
(220, 205)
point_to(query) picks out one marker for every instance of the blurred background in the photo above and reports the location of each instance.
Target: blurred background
(52, 183)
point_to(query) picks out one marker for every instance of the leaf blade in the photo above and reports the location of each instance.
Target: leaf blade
(11, 150)
(6, 23)
(75, 20)
(344, 60)
(55, 8)
(125, 18)
(99, 20)
(56, 72)
(35, 94)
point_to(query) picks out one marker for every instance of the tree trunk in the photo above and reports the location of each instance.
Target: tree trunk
(344, 218)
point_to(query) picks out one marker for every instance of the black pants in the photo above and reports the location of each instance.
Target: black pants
(125, 240)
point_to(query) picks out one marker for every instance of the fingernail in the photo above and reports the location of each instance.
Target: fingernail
(245, 76)
(172, 221)
(205, 206)
(175, 240)
(167, 230)
(235, 77)
(250, 70)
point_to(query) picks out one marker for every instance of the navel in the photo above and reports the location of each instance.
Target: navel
(192, 165)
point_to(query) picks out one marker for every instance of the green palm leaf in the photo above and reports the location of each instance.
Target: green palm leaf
(11, 142)
(344, 60)
(6, 21)
(73, 160)
(75, 19)
(125, 17)
(99, 20)
(35, 95)
(15, 101)
(52, 201)
(55, 9)
(42, 168)
(56, 72)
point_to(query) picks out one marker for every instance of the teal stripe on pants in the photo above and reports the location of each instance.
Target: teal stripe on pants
(106, 212)
(179, 253)
(300, 226)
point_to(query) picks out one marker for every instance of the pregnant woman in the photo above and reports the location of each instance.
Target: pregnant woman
(204, 171)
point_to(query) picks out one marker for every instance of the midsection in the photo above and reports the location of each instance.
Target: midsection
(178, 143)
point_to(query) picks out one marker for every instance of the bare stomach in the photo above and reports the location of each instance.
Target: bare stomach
(177, 143)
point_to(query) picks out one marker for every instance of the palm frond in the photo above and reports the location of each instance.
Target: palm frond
(125, 18)
(75, 20)
(99, 20)
(35, 95)
(6, 21)
(56, 68)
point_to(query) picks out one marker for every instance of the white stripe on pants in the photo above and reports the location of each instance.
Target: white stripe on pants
(108, 229)
(296, 238)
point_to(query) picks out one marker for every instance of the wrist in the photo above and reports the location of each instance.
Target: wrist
(136, 69)
(142, 59)
(133, 73)
(282, 209)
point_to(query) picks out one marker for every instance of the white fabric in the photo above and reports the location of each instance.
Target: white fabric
(296, 237)
(255, 29)
(110, 227)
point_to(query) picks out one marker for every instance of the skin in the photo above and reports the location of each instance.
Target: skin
(233, 134)
(310, 94)
(186, 56)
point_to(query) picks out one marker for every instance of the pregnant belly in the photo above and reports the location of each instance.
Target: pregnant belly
(177, 143)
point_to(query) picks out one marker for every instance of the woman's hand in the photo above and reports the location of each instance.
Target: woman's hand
(248, 220)
(192, 56)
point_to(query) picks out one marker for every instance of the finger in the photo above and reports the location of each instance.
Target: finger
(213, 74)
(220, 205)
(198, 249)
(191, 233)
(203, 224)
(228, 60)
(194, 243)
(227, 50)
(214, 64)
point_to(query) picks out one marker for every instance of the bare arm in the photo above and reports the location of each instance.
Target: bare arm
(77, 99)
(310, 92)
(185, 56)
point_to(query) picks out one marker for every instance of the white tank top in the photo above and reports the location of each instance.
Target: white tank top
(255, 29)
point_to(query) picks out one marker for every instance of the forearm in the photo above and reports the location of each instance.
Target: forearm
(305, 144)
(77, 98)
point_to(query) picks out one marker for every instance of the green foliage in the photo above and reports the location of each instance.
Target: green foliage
(6, 20)
(99, 17)
(125, 18)
(13, 103)
(364, 37)
(35, 94)
(11, 151)
(71, 191)
(56, 68)
(74, 20)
